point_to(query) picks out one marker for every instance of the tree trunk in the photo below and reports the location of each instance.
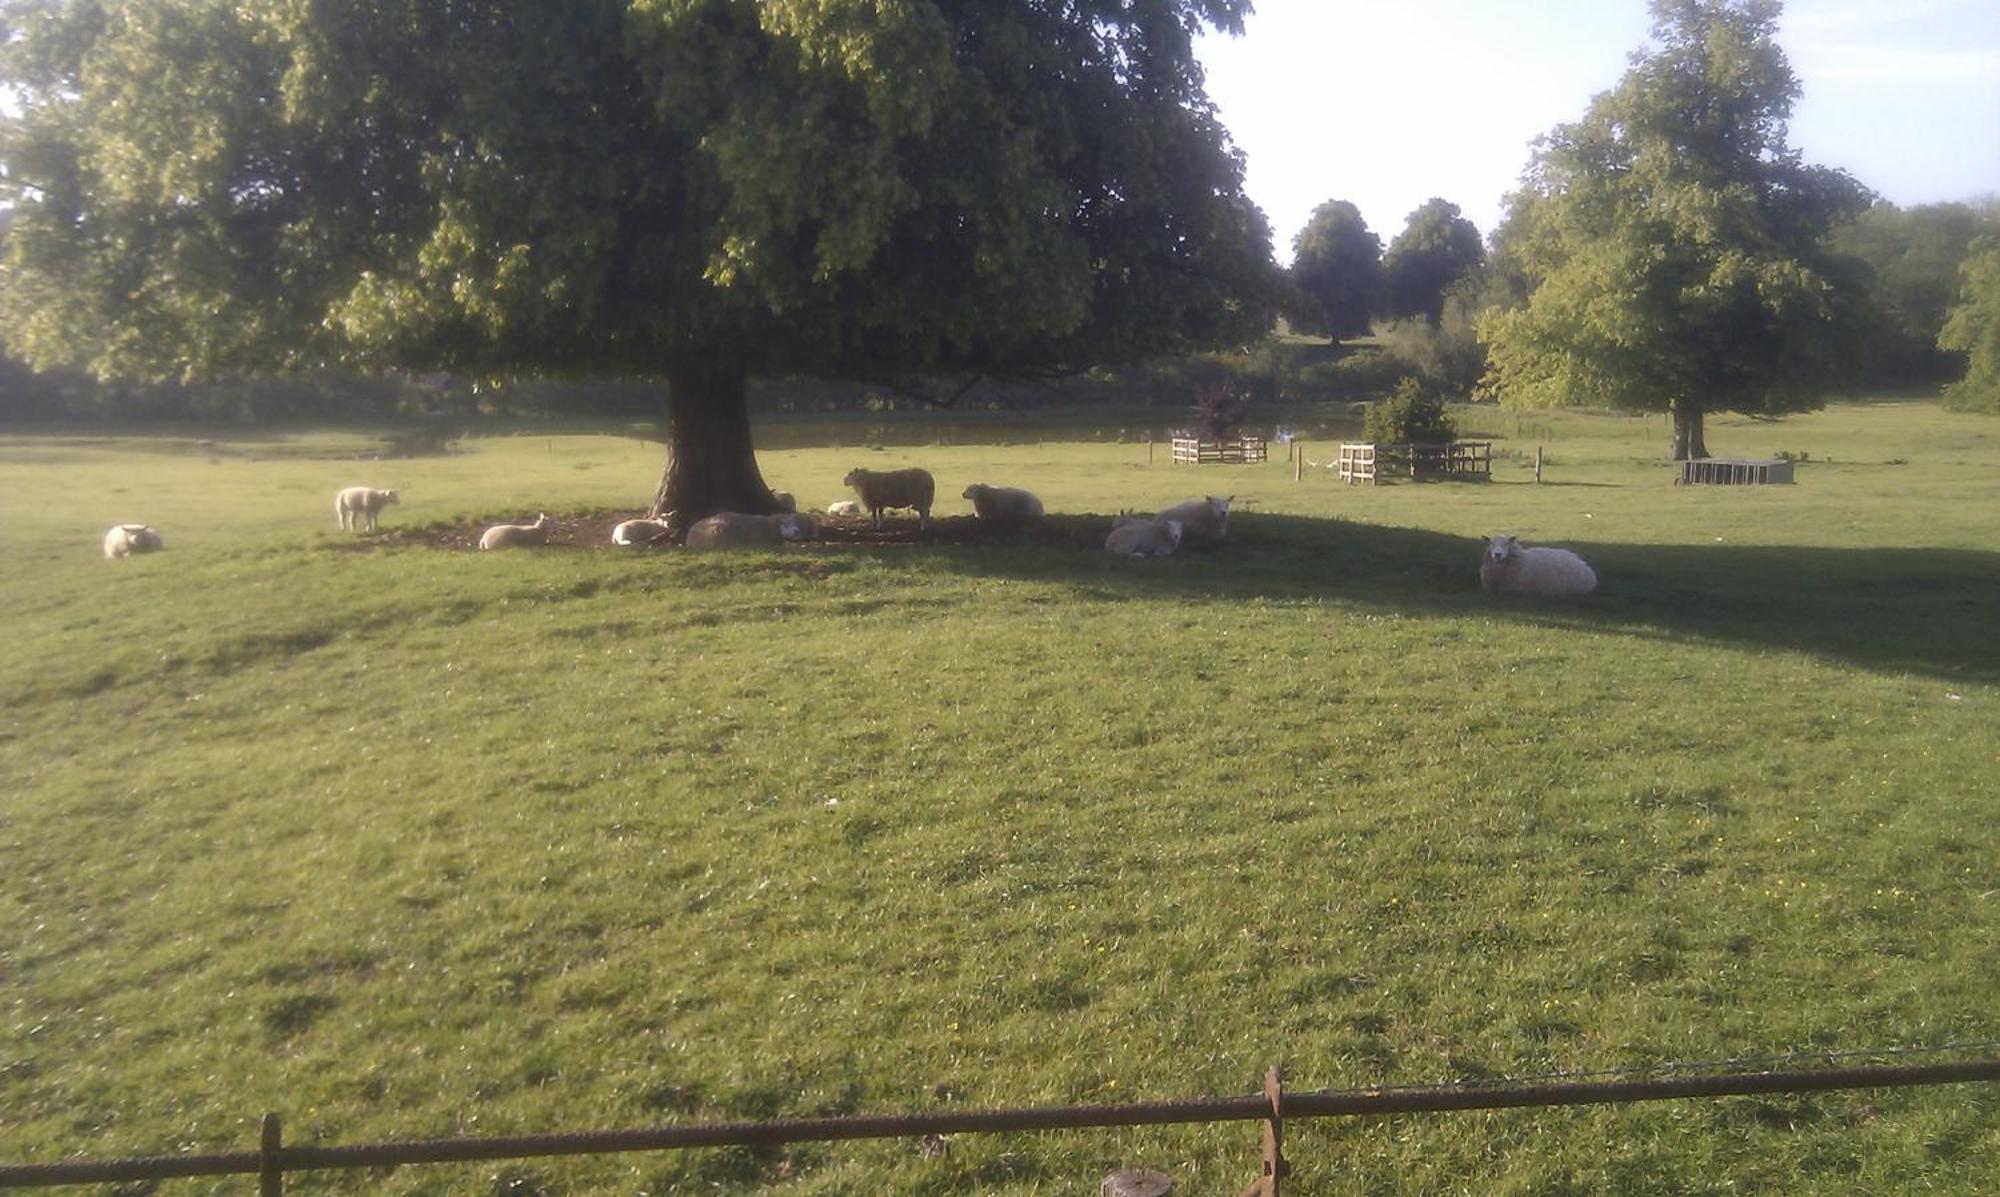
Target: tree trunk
(1688, 441)
(711, 464)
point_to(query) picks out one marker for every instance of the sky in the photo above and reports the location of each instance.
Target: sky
(1389, 102)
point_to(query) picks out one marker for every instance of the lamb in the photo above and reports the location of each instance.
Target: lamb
(845, 507)
(1003, 504)
(126, 539)
(1203, 519)
(358, 503)
(640, 532)
(1510, 567)
(733, 530)
(1145, 538)
(510, 536)
(894, 488)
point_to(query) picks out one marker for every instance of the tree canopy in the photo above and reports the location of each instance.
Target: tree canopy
(1676, 246)
(694, 189)
(1436, 248)
(1913, 257)
(1973, 327)
(1336, 272)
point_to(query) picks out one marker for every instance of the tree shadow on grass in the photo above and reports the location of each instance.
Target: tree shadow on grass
(1927, 611)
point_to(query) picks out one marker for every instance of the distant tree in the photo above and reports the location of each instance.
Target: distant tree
(1676, 246)
(1973, 328)
(1436, 249)
(697, 191)
(1336, 273)
(1913, 257)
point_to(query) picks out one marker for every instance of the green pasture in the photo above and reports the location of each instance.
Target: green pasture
(405, 842)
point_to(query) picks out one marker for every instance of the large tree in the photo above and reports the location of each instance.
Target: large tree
(1973, 327)
(1336, 273)
(1436, 248)
(1676, 246)
(697, 190)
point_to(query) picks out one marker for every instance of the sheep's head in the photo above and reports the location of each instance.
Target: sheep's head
(854, 477)
(974, 491)
(796, 527)
(389, 496)
(1502, 550)
(1174, 532)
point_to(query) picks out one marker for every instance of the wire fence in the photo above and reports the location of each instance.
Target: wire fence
(273, 1159)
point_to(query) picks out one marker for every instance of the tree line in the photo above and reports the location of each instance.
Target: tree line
(916, 196)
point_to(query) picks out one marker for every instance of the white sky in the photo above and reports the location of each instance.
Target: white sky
(1389, 102)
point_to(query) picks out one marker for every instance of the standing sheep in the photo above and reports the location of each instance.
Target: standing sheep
(894, 488)
(510, 536)
(1145, 538)
(360, 503)
(1003, 504)
(1510, 567)
(126, 539)
(734, 530)
(1205, 519)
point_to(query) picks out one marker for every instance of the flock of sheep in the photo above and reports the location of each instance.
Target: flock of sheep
(1508, 566)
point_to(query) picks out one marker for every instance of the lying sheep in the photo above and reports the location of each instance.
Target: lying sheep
(1003, 504)
(1205, 519)
(358, 503)
(786, 503)
(1510, 567)
(845, 507)
(894, 488)
(126, 539)
(644, 531)
(1145, 538)
(734, 530)
(514, 536)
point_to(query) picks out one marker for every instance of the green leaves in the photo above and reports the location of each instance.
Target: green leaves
(1974, 328)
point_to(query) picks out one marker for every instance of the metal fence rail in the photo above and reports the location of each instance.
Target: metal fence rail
(1272, 1107)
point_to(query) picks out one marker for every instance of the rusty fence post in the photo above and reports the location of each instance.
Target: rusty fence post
(270, 1172)
(1275, 1168)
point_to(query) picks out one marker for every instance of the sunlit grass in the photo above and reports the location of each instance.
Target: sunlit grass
(401, 842)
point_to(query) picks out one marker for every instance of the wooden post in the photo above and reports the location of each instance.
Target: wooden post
(1538, 463)
(1298, 461)
(270, 1177)
(1149, 448)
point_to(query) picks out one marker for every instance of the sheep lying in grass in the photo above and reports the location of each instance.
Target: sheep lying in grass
(514, 536)
(880, 489)
(361, 504)
(785, 501)
(645, 531)
(734, 530)
(1144, 538)
(126, 539)
(1510, 567)
(1003, 504)
(845, 507)
(1203, 520)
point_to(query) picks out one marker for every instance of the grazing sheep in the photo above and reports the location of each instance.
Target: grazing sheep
(638, 532)
(1513, 568)
(361, 503)
(1145, 538)
(845, 507)
(734, 530)
(1003, 504)
(894, 488)
(512, 536)
(1204, 519)
(126, 539)
(786, 503)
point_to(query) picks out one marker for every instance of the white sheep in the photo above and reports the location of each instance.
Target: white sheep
(846, 507)
(641, 532)
(1145, 538)
(894, 488)
(511, 536)
(1510, 567)
(1204, 519)
(357, 504)
(126, 539)
(1003, 504)
(733, 530)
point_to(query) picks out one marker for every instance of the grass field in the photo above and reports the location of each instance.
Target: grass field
(403, 842)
